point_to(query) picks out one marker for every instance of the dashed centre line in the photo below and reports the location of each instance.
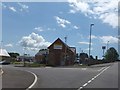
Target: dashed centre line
(103, 69)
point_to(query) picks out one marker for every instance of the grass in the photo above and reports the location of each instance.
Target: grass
(17, 63)
(28, 64)
(80, 65)
(34, 65)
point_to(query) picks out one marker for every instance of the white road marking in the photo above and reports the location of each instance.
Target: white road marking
(85, 84)
(93, 78)
(34, 80)
(101, 69)
(84, 68)
(80, 88)
(89, 81)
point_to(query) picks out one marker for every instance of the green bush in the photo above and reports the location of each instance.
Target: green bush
(34, 65)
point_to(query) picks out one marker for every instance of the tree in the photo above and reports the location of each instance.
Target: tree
(14, 55)
(83, 56)
(111, 54)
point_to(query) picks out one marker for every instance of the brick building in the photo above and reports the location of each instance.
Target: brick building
(61, 54)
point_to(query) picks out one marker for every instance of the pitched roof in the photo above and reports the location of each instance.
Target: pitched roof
(3, 52)
(60, 41)
(70, 48)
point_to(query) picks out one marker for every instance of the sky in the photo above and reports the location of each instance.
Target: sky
(28, 27)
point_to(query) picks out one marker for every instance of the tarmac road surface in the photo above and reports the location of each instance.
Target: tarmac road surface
(103, 76)
(15, 78)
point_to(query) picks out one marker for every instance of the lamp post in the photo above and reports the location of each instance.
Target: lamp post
(107, 45)
(90, 39)
(24, 56)
(1, 45)
(103, 47)
(65, 50)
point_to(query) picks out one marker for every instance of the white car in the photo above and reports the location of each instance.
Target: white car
(4, 62)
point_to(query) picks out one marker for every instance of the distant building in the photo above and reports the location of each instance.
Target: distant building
(41, 56)
(26, 57)
(61, 54)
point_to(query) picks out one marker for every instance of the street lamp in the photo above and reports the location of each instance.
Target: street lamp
(65, 49)
(1, 45)
(24, 56)
(103, 47)
(90, 38)
(107, 45)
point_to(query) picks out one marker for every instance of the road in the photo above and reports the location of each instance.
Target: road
(16, 78)
(98, 76)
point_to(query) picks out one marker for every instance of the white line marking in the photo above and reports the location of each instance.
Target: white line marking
(34, 80)
(85, 84)
(89, 81)
(101, 68)
(80, 88)
(93, 78)
(84, 68)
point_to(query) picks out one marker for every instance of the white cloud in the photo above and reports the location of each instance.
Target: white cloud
(9, 45)
(105, 10)
(62, 22)
(87, 49)
(93, 37)
(40, 29)
(75, 27)
(3, 5)
(12, 9)
(79, 6)
(34, 42)
(111, 39)
(23, 7)
(108, 18)
(84, 43)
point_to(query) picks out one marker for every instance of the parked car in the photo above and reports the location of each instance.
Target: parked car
(4, 62)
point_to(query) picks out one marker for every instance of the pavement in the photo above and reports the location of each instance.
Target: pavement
(95, 77)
